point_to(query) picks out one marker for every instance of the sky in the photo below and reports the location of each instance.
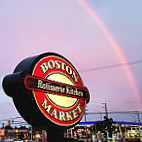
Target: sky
(97, 36)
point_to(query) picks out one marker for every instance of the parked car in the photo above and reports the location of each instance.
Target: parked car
(18, 140)
(8, 140)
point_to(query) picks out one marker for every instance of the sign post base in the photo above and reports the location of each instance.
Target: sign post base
(55, 135)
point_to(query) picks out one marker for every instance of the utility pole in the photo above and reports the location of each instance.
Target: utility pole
(138, 114)
(85, 114)
(105, 106)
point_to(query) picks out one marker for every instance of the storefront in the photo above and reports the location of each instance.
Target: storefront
(2, 133)
(13, 134)
(123, 130)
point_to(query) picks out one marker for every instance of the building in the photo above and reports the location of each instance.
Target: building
(123, 130)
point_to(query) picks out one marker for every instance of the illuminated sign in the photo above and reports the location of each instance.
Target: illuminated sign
(2, 132)
(47, 86)
(50, 88)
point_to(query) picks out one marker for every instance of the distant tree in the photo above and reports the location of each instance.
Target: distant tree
(22, 127)
(107, 125)
(16, 127)
(2, 126)
(8, 127)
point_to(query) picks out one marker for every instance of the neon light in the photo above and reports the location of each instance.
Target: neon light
(116, 48)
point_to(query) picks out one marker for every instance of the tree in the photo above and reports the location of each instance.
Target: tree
(22, 127)
(107, 125)
(8, 127)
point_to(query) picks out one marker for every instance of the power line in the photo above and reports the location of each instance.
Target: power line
(10, 118)
(116, 112)
(96, 105)
(113, 108)
(111, 66)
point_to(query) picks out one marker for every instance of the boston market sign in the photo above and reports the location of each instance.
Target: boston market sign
(47, 89)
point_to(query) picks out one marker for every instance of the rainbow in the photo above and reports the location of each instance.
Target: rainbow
(116, 48)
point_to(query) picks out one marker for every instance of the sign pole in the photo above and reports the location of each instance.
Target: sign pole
(43, 135)
(55, 135)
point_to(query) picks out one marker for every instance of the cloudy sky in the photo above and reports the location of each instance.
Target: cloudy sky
(97, 36)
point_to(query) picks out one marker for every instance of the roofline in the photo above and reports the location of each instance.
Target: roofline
(116, 122)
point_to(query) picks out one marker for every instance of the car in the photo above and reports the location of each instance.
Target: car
(8, 140)
(18, 140)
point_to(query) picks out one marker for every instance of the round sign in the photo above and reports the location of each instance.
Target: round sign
(60, 109)
(55, 88)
